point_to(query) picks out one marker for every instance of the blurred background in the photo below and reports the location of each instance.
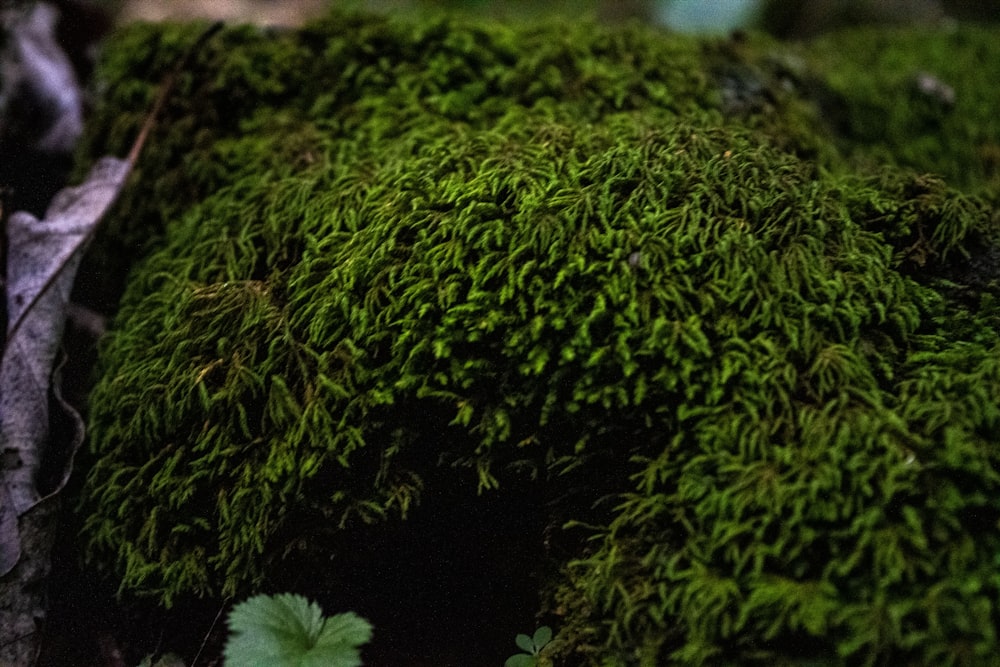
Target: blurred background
(785, 18)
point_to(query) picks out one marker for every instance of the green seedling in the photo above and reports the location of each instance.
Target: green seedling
(532, 647)
(290, 631)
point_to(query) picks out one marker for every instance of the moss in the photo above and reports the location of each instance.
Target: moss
(917, 98)
(248, 101)
(852, 99)
(595, 263)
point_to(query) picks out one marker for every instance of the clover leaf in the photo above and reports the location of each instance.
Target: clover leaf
(532, 647)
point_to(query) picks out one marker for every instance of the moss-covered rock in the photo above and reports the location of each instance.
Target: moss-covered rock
(594, 264)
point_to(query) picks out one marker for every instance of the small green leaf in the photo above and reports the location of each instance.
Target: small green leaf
(289, 631)
(543, 636)
(347, 628)
(521, 660)
(524, 643)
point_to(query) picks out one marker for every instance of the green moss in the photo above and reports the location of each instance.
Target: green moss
(247, 102)
(402, 252)
(922, 99)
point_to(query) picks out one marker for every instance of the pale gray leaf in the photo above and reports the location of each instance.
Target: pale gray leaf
(42, 258)
(36, 68)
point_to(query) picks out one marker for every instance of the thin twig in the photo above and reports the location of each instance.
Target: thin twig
(166, 88)
(209, 633)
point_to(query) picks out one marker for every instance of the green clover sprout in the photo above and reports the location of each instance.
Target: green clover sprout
(532, 647)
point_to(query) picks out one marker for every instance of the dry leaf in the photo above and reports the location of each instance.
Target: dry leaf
(42, 259)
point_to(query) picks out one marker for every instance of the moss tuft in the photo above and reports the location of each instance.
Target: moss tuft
(556, 257)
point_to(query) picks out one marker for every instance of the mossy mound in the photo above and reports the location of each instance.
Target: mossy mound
(497, 259)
